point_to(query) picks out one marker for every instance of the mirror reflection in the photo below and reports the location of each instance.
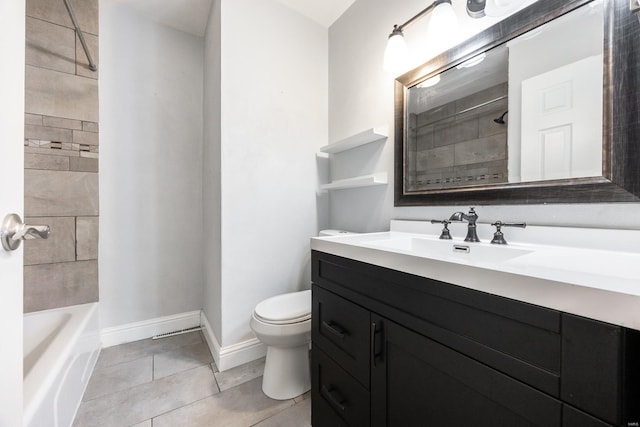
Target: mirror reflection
(527, 110)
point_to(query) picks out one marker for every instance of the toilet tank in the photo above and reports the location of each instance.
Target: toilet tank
(325, 233)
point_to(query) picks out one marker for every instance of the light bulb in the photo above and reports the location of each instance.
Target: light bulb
(396, 54)
(442, 26)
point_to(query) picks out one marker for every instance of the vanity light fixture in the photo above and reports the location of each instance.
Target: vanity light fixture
(495, 8)
(443, 19)
(441, 27)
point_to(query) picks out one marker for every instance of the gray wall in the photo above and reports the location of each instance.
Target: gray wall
(260, 205)
(151, 168)
(361, 96)
(61, 156)
(211, 185)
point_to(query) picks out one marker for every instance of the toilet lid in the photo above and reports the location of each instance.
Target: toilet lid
(286, 308)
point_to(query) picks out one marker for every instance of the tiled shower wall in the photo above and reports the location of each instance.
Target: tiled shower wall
(61, 155)
(459, 143)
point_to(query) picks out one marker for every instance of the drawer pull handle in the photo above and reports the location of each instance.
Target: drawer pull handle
(334, 398)
(373, 344)
(335, 329)
(376, 342)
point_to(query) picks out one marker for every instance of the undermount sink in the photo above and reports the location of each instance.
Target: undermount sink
(449, 250)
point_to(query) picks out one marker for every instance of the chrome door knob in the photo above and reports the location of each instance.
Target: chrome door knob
(14, 231)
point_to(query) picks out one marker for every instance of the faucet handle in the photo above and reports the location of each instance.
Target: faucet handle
(498, 236)
(445, 235)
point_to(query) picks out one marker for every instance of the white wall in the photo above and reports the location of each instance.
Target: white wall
(361, 96)
(12, 34)
(212, 302)
(150, 258)
(273, 120)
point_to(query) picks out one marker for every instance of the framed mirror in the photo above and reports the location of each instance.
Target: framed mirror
(540, 108)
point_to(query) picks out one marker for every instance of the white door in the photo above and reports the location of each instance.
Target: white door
(12, 40)
(561, 125)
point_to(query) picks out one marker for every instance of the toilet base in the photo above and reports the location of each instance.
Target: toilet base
(286, 372)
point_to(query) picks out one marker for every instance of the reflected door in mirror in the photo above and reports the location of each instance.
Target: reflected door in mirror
(561, 125)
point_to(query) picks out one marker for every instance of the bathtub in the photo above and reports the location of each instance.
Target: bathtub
(61, 347)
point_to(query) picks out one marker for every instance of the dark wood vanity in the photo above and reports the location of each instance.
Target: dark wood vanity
(395, 349)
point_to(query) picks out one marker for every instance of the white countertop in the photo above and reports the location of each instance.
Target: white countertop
(588, 272)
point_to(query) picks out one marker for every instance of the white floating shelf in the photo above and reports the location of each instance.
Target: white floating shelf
(362, 138)
(358, 181)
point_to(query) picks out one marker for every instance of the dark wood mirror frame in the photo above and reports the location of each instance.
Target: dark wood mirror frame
(621, 114)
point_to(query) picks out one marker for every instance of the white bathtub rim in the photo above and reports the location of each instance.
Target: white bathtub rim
(43, 375)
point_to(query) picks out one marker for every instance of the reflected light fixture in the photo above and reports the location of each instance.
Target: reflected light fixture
(443, 19)
(432, 81)
(472, 62)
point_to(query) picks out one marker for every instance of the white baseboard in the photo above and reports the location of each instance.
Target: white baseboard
(147, 328)
(233, 355)
(209, 336)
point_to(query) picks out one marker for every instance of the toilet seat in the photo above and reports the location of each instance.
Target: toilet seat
(285, 309)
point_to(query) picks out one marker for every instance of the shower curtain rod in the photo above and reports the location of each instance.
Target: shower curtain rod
(72, 14)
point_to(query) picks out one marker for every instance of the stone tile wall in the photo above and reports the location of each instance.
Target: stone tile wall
(451, 148)
(61, 155)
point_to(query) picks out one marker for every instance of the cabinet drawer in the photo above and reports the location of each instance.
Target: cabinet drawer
(342, 329)
(337, 399)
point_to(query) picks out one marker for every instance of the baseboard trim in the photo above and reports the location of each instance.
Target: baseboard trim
(210, 338)
(147, 328)
(233, 355)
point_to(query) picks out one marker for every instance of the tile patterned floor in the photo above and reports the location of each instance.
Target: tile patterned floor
(173, 382)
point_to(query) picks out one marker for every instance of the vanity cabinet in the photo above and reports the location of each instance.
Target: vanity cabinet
(394, 349)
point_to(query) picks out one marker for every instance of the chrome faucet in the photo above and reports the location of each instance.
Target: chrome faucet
(471, 218)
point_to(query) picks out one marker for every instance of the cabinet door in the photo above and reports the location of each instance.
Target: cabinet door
(572, 417)
(418, 382)
(601, 369)
(337, 399)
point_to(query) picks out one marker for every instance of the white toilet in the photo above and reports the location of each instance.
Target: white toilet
(283, 323)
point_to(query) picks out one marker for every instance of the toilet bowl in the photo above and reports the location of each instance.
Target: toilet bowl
(283, 324)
